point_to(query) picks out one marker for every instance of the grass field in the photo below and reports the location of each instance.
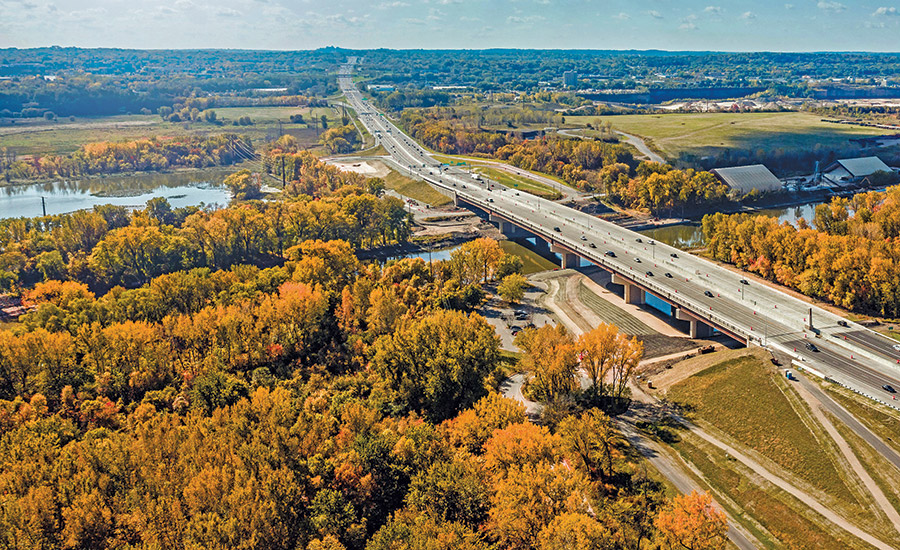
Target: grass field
(40, 137)
(518, 182)
(415, 189)
(710, 133)
(883, 421)
(780, 516)
(741, 398)
(532, 262)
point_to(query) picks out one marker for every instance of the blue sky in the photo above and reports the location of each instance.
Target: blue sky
(795, 25)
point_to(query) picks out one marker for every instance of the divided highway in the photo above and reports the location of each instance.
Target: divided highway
(754, 313)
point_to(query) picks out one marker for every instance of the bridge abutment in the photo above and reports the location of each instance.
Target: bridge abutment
(698, 329)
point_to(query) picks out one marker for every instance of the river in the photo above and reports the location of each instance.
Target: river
(690, 235)
(183, 188)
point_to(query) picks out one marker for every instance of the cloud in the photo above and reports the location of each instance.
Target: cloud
(655, 14)
(831, 5)
(688, 23)
(445, 2)
(748, 15)
(884, 10)
(527, 20)
(227, 12)
(622, 16)
(387, 5)
(713, 10)
(788, 6)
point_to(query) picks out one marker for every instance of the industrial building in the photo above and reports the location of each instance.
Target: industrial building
(745, 179)
(854, 170)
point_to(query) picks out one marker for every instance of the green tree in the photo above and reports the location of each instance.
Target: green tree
(512, 288)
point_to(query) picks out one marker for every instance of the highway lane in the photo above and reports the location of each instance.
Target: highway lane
(751, 311)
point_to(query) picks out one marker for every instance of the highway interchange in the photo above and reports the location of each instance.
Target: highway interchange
(755, 313)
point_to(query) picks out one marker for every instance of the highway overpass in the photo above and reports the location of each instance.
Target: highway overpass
(699, 291)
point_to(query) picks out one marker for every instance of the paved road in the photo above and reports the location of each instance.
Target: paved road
(851, 422)
(755, 313)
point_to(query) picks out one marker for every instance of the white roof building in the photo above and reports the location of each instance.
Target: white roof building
(748, 178)
(855, 169)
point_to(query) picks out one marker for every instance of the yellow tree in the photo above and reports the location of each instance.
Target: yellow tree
(607, 352)
(550, 355)
(693, 523)
(512, 287)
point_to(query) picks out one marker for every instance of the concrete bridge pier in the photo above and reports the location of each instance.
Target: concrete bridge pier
(569, 260)
(633, 294)
(699, 329)
(509, 229)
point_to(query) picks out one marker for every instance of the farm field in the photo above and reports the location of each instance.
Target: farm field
(711, 133)
(40, 137)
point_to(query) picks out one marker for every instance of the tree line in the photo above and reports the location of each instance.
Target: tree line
(849, 258)
(108, 157)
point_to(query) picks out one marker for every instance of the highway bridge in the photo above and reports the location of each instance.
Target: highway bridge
(706, 295)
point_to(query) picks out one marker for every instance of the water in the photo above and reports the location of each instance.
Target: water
(690, 235)
(435, 255)
(179, 188)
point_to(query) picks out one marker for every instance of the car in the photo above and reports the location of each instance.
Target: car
(638, 240)
(610, 253)
(557, 229)
(745, 282)
(583, 238)
(896, 347)
(649, 274)
(668, 275)
(673, 255)
(592, 245)
(888, 388)
(638, 260)
(843, 323)
(490, 200)
(708, 294)
(811, 347)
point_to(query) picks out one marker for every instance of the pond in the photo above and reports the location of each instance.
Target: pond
(690, 235)
(188, 188)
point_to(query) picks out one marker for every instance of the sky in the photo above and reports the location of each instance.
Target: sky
(761, 25)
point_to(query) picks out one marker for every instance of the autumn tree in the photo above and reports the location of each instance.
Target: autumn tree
(438, 364)
(607, 354)
(693, 523)
(512, 287)
(550, 357)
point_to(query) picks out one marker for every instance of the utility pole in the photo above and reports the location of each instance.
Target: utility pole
(282, 172)
(44, 206)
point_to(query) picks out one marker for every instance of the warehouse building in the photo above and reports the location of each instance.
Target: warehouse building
(854, 170)
(745, 179)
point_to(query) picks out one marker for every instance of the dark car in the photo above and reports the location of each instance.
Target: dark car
(668, 275)
(638, 240)
(745, 282)
(811, 347)
(649, 274)
(888, 388)
(638, 260)
(610, 253)
(708, 293)
(673, 255)
(557, 229)
(843, 323)
(592, 245)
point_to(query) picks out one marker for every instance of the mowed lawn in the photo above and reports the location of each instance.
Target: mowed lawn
(710, 133)
(742, 398)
